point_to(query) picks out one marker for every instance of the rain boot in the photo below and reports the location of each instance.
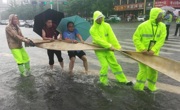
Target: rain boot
(27, 67)
(152, 86)
(104, 80)
(120, 77)
(22, 70)
(139, 86)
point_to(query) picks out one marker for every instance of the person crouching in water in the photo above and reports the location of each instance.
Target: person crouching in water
(15, 38)
(49, 33)
(103, 36)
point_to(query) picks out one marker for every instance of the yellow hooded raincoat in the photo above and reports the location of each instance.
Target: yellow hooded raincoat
(103, 36)
(146, 32)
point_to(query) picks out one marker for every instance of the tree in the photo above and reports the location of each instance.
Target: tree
(83, 8)
(87, 7)
(24, 12)
(106, 7)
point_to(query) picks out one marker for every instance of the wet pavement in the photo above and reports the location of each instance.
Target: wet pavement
(45, 90)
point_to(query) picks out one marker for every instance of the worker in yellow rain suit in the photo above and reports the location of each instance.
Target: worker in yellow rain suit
(103, 36)
(148, 38)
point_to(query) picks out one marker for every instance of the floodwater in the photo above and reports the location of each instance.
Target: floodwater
(57, 91)
(45, 90)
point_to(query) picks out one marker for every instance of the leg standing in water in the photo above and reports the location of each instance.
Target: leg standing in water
(82, 55)
(59, 57)
(51, 58)
(49, 33)
(72, 57)
(70, 36)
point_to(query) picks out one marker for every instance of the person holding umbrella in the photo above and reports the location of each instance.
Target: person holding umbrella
(103, 35)
(49, 33)
(15, 38)
(70, 36)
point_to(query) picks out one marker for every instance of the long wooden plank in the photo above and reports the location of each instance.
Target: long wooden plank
(38, 41)
(167, 66)
(64, 46)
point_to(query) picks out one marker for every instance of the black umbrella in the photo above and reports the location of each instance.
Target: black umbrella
(40, 19)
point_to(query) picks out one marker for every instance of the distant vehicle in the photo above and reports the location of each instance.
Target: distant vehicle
(113, 18)
(129, 18)
(141, 18)
(4, 22)
(146, 17)
(29, 23)
(22, 23)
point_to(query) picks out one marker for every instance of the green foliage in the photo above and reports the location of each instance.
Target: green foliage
(84, 8)
(24, 12)
(87, 7)
(105, 6)
(65, 3)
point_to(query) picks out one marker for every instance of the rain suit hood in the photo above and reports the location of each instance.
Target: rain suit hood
(154, 13)
(97, 15)
(102, 34)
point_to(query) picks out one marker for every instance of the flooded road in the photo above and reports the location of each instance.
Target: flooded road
(57, 91)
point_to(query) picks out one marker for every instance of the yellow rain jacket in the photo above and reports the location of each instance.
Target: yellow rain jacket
(146, 32)
(178, 20)
(103, 36)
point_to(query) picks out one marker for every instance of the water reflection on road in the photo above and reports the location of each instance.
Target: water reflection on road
(57, 91)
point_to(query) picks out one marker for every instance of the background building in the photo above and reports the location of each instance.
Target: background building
(172, 3)
(141, 7)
